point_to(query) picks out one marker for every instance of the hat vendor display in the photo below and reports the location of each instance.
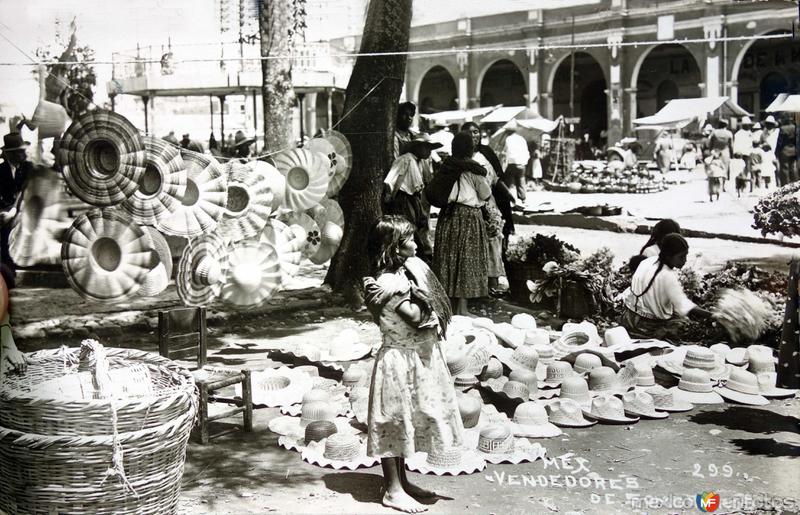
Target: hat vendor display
(337, 398)
(454, 461)
(315, 432)
(644, 374)
(694, 357)
(285, 425)
(763, 366)
(283, 386)
(530, 421)
(641, 404)
(556, 373)
(307, 178)
(161, 187)
(313, 237)
(608, 409)
(575, 388)
(742, 387)
(287, 244)
(663, 400)
(606, 359)
(253, 273)
(32, 239)
(575, 338)
(249, 202)
(334, 145)
(201, 270)
(585, 362)
(603, 380)
(567, 413)
(204, 201)
(105, 256)
(339, 451)
(158, 277)
(496, 444)
(102, 156)
(695, 387)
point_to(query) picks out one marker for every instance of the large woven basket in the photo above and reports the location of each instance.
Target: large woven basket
(116, 447)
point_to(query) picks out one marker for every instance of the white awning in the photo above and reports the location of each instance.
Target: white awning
(775, 105)
(681, 111)
(788, 103)
(503, 114)
(539, 124)
(458, 116)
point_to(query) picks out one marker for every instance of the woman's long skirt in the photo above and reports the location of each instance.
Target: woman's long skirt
(460, 254)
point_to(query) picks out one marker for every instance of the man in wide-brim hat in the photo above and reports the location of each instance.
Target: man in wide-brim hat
(241, 144)
(13, 172)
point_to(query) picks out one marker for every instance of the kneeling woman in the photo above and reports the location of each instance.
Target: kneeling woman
(655, 304)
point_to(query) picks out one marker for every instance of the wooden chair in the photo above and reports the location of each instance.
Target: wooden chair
(182, 337)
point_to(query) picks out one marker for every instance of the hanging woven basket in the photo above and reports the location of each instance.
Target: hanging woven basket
(249, 202)
(307, 178)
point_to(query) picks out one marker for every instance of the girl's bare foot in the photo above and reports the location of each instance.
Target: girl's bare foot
(417, 491)
(401, 501)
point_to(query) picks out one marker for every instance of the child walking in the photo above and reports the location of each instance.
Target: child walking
(738, 170)
(412, 405)
(716, 173)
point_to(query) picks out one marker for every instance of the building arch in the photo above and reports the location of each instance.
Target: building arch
(737, 63)
(664, 72)
(511, 91)
(590, 101)
(436, 90)
(637, 67)
(765, 68)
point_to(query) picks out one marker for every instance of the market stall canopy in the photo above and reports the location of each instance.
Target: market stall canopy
(785, 102)
(680, 112)
(503, 114)
(459, 116)
(531, 130)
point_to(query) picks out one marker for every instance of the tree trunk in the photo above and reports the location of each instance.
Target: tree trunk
(274, 23)
(369, 126)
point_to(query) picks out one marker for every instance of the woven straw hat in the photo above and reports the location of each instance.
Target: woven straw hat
(608, 409)
(359, 404)
(576, 338)
(313, 237)
(537, 337)
(586, 362)
(663, 400)
(606, 357)
(523, 321)
(335, 146)
(325, 390)
(465, 381)
(102, 157)
(694, 357)
(287, 245)
(523, 357)
(509, 335)
(161, 187)
(456, 362)
(644, 374)
(469, 408)
(339, 451)
(493, 370)
(203, 203)
(315, 431)
(567, 413)
(575, 388)
(32, 239)
(249, 203)
(106, 256)
(296, 426)
(516, 390)
(307, 178)
(641, 404)
(742, 387)
(345, 346)
(603, 380)
(496, 444)
(526, 377)
(253, 273)
(530, 421)
(763, 366)
(454, 461)
(695, 387)
(737, 357)
(158, 277)
(556, 373)
(282, 386)
(201, 270)
(722, 349)
(480, 322)
(616, 336)
(546, 354)
(352, 376)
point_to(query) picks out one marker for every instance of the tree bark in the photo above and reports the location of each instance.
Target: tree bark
(369, 126)
(275, 23)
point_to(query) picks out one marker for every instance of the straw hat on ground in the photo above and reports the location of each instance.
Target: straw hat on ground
(249, 202)
(576, 338)
(585, 362)
(695, 387)
(665, 401)
(315, 431)
(276, 387)
(523, 321)
(575, 388)
(449, 462)
(32, 239)
(618, 341)
(567, 413)
(295, 426)
(339, 451)
(204, 201)
(603, 380)
(306, 175)
(253, 273)
(742, 387)
(102, 156)
(606, 359)
(201, 270)
(556, 373)
(641, 404)
(162, 186)
(106, 256)
(337, 398)
(496, 444)
(608, 409)
(493, 370)
(763, 366)
(530, 421)
(158, 277)
(509, 335)
(694, 357)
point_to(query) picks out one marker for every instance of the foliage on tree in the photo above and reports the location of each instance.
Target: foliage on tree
(370, 109)
(70, 85)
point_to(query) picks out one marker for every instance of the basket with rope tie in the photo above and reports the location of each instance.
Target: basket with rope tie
(94, 430)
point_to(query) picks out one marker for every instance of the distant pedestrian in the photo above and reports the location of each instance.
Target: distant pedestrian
(769, 165)
(170, 138)
(722, 142)
(739, 173)
(786, 152)
(517, 156)
(715, 173)
(756, 160)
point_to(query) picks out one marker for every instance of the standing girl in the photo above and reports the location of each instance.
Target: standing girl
(412, 405)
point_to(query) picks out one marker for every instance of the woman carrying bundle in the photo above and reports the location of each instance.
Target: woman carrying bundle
(655, 301)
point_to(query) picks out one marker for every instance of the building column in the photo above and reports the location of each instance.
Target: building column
(462, 58)
(533, 77)
(330, 109)
(546, 100)
(614, 91)
(311, 114)
(712, 30)
(631, 111)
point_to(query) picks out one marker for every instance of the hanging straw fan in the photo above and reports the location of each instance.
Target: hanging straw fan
(312, 237)
(287, 244)
(330, 219)
(201, 270)
(33, 239)
(249, 202)
(306, 175)
(203, 203)
(159, 275)
(342, 160)
(162, 186)
(102, 157)
(105, 255)
(275, 181)
(253, 274)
